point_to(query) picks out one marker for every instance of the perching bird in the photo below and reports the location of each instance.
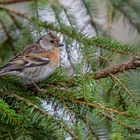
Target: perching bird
(37, 61)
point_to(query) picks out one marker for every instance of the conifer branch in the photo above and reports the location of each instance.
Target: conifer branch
(70, 105)
(89, 127)
(105, 43)
(13, 117)
(9, 132)
(9, 10)
(124, 87)
(13, 1)
(131, 64)
(98, 106)
(93, 23)
(128, 12)
(132, 129)
(102, 109)
(14, 20)
(45, 114)
(106, 112)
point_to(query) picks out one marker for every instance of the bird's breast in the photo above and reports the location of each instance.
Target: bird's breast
(42, 72)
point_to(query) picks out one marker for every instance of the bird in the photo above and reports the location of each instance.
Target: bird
(36, 61)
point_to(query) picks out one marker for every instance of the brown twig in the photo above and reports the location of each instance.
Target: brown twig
(124, 87)
(14, 20)
(108, 113)
(117, 69)
(9, 10)
(94, 105)
(100, 106)
(131, 128)
(13, 1)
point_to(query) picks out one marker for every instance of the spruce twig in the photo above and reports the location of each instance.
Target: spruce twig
(13, 1)
(10, 10)
(131, 64)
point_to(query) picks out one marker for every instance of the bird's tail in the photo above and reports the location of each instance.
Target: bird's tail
(4, 70)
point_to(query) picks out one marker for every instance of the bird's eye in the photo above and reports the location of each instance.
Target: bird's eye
(51, 41)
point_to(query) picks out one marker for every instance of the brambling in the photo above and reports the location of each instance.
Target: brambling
(37, 61)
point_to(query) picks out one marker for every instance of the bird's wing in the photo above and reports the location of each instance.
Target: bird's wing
(33, 48)
(35, 60)
(21, 62)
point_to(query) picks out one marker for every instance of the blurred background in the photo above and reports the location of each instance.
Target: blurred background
(77, 106)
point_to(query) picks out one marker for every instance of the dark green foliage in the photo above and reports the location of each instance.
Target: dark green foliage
(76, 107)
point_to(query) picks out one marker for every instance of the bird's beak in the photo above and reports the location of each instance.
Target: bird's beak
(60, 45)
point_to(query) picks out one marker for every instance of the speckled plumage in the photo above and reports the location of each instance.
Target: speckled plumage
(37, 61)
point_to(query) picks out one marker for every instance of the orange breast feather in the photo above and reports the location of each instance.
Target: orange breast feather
(53, 55)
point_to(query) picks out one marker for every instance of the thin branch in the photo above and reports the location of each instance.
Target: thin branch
(100, 106)
(9, 10)
(122, 101)
(124, 87)
(94, 105)
(91, 17)
(108, 113)
(14, 20)
(127, 12)
(105, 43)
(13, 1)
(90, 129)
(42, 111)
(69, 20)
(131, 64)
(10, 134)
(131, 128)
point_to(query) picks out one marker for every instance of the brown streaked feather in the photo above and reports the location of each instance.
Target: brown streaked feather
(33, 56)
(33, 48)
(22, 62)
(29, 49)
(35, 60)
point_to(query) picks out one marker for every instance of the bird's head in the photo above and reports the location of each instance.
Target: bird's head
(50, 41)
